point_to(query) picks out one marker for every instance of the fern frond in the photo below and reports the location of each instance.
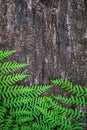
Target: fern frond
(61, 111)
(77, 125)
(11, 79)
(37, 90)
(25, 127)
(7, 122)
(24, 119)
(52, 120)
(9, 67)
(65, 84)
(19, 112)
(78, 90)
(15, 127)
(85, 94)
(65, 110)
(6, 53)
(40, 126)
(22, 95)
(53, 114)
(2, 113)
(79, 101)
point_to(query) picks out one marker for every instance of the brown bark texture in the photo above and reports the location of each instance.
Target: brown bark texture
(51, 34)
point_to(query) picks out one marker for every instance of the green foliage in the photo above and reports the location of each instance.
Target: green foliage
(77, 89)
(77, 97)
(23, 107)
(17, 110)
(77, 92)
(8, 67)
(81, 101)
(5, 54)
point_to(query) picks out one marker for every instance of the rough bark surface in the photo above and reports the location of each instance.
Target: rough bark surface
(52, 34)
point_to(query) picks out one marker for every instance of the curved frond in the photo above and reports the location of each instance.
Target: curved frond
(7, 123)
(79, 101)
(6, 53)
(2, 113)
(11, 79)
(9, 67)
(65, 84)
(22, 95)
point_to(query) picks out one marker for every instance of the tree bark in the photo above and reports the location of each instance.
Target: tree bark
(52, 34)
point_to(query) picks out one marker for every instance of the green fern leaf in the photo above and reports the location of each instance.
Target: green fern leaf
(9, 67)
(19, 112)
(24, 119)
(25, 127)
(77, 89)
(15, 127)
(7, 122)
(11, 79)
(85, 93)
(79, 101)
(77, 125)
(5, 54)
(2, 113)
(22, 95)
